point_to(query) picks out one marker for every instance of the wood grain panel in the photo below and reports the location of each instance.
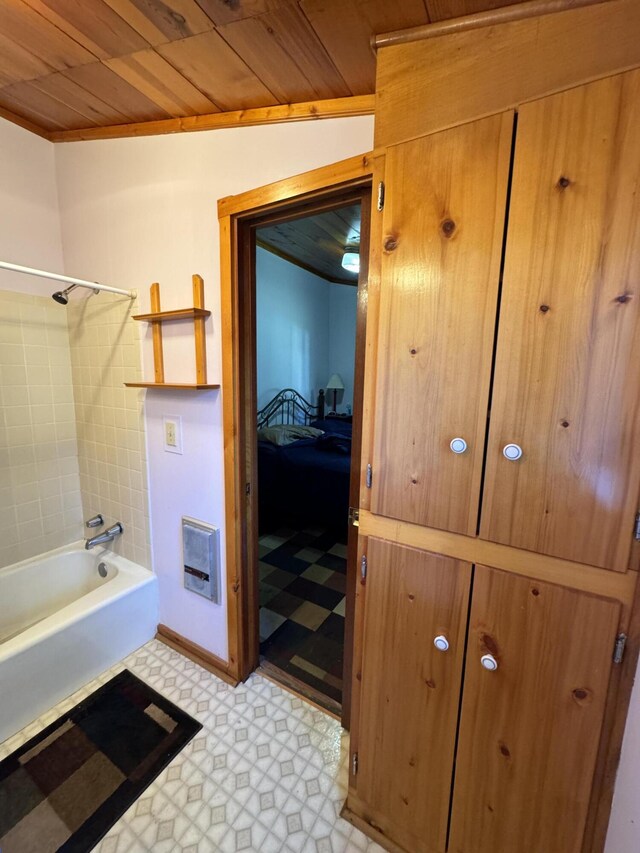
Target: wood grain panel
(568, 358)
(160, 21)
(441, 9)
(433, 84)
(285, 53)
(212, 66)
(18, 64)
(151, 74)
(443, 224)
(529, 731)
(95, 25)
(346, 29)
(105, 84)
(223, 11)
(60, 88)
(409, 693)
(41, 108)
(39, 37)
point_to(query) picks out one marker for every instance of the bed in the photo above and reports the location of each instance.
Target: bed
(304, 482)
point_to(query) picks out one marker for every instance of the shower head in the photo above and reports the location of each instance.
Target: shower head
(61, 296)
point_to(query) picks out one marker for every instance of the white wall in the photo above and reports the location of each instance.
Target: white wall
(305, 331)
(292, 328)
(29, 220)
(343, 301)
(135, 211)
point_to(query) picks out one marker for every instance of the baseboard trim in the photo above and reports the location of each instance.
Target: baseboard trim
(196, 653)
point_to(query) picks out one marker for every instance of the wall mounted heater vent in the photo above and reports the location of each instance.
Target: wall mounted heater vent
(201, 558)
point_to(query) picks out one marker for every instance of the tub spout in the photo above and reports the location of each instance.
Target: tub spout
(107, 536)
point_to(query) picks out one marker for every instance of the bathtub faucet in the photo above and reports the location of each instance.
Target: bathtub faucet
(107, 536)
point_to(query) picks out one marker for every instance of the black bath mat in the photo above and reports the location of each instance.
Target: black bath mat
(66, 787)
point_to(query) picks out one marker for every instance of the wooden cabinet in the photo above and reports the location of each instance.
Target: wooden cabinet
(409, 693)
(506, 298)
(443, 220)
(568, 359)
(567, 364)
(529, 731)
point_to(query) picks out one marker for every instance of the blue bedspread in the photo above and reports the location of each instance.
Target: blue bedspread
(306, 483)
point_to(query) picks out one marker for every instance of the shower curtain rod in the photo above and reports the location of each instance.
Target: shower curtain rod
(79, 282)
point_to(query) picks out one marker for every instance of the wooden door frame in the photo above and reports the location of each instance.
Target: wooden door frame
(235, 215)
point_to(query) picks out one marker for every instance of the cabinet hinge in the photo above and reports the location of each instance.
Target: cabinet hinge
(381, 195)
(247, 488)
(354, 764)
(618, 652)
(369, 478)
(354, 516)
(363, 567)
(636, 529)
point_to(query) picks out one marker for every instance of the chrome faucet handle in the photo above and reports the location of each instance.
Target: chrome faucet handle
(96, 521)
(115, 530)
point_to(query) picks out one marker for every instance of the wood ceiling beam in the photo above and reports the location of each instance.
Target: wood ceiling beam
(357, 105)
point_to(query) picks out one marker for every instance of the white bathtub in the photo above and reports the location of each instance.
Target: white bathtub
(61, 624)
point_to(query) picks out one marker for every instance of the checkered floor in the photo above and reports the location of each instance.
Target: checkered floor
(302, 605)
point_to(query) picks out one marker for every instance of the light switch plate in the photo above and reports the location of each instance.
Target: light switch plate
(172, 425)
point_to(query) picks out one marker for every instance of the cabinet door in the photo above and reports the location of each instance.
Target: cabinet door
(442, 235)
(568, 357)
(529, 730)
(409, 693)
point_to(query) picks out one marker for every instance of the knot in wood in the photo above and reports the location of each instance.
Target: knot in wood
(390, 244)
(581, 694)
(624, 297)
(565, 424)
(489, 643)
(447, 227)
(544, 308)
(563, 182)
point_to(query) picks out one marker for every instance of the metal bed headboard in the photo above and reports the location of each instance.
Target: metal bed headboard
(290, 407)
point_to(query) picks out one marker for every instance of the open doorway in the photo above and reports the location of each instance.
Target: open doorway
(306, 309)
(293, 549)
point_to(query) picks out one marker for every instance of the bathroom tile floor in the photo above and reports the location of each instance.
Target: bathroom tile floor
(267, 772)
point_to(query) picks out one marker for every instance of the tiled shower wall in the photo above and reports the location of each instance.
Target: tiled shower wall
(105, 353)
(40, 504)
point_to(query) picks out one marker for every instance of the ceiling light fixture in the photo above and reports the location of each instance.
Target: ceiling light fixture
(351, 259)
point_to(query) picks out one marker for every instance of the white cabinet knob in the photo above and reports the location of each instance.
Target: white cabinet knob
(441, 643)
(458, 445)
(489, 662)
(512, 451)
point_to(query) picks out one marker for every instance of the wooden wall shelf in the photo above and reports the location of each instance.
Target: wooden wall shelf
(198, 386)
(157, 317)
(178, 314)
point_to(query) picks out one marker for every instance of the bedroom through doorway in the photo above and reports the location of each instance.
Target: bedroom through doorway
(307, 288)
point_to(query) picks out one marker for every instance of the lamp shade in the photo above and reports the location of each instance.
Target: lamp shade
(335, 383)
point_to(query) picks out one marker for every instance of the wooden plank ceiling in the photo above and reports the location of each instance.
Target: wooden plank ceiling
(316, 243)
(73, 64)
